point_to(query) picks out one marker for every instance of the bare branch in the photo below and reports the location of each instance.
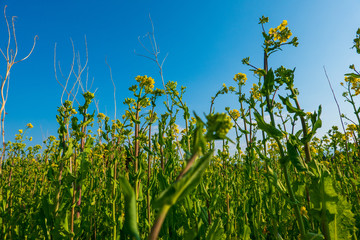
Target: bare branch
(339, 111)
(31, 51)
(113, 85)
(9, 39)
(141, 55)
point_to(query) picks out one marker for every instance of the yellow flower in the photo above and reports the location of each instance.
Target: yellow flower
(29, 125)
(284, 23)
(241, 77)
(30, 139)
(259, 72)
(355, 84)
(101, 116)
(272, 31)
(303, 211)
(147, 82)
(176, 128)
(351, 127)
(255, 92)
(234, 114)
(20, 131)
(73, 111)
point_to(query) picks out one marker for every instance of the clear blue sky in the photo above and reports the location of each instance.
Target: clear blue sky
(205, 40)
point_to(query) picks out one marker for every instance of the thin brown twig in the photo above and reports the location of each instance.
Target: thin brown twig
(339, 111)
(112, 80)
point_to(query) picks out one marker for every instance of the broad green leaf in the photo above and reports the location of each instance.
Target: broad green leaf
(313, 236)
(330, 208)
(269, 129)
(246, 232)
(290, 107)
(294, 155)
(216, 231)
(275, 181)
(268, 83)
(186, 184)
(130, 208)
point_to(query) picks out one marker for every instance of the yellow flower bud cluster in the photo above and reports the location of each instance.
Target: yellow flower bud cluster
(219, 124)
(101, 116)
(73, 111)
(255, 93)
(232, 89)
(351, 127)
(145, 102)
(278, 106)
(241, 77)
(29, 125)
(147, 82)
(176, 129)
(281, 33)
(193, 121)
(303, 211)
(355, 83)
(259, 72)
(234, 114)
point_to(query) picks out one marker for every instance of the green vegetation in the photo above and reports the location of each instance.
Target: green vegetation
(127, 181)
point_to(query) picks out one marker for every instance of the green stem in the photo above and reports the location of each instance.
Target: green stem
(155, 230)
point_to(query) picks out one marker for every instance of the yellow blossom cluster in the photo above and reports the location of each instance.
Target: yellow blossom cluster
(52, 138)
(241, 77)
(29, 125)
(351, 127)
(281, 33)
(101, 116)
(279, 106)
(145, 102)
(259, 72)
(193, 121)
(234, 114)
(145, 81)
(225, 88)
(176, 129)
(303, 211)
(255, 93)
(355, 83)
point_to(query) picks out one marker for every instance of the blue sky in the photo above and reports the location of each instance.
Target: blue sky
(205, 42)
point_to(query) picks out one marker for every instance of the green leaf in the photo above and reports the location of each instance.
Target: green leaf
(187, 183)
(268, 83)
(330, 208)
(69, 151)
(313, 236)
(246, 232)
(216, 231)
(294, 155)
(290, 107)
(343, 224)
(269, 129)
(130, 208)
(275, 181)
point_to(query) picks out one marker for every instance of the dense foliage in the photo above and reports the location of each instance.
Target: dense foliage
(142, 177)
